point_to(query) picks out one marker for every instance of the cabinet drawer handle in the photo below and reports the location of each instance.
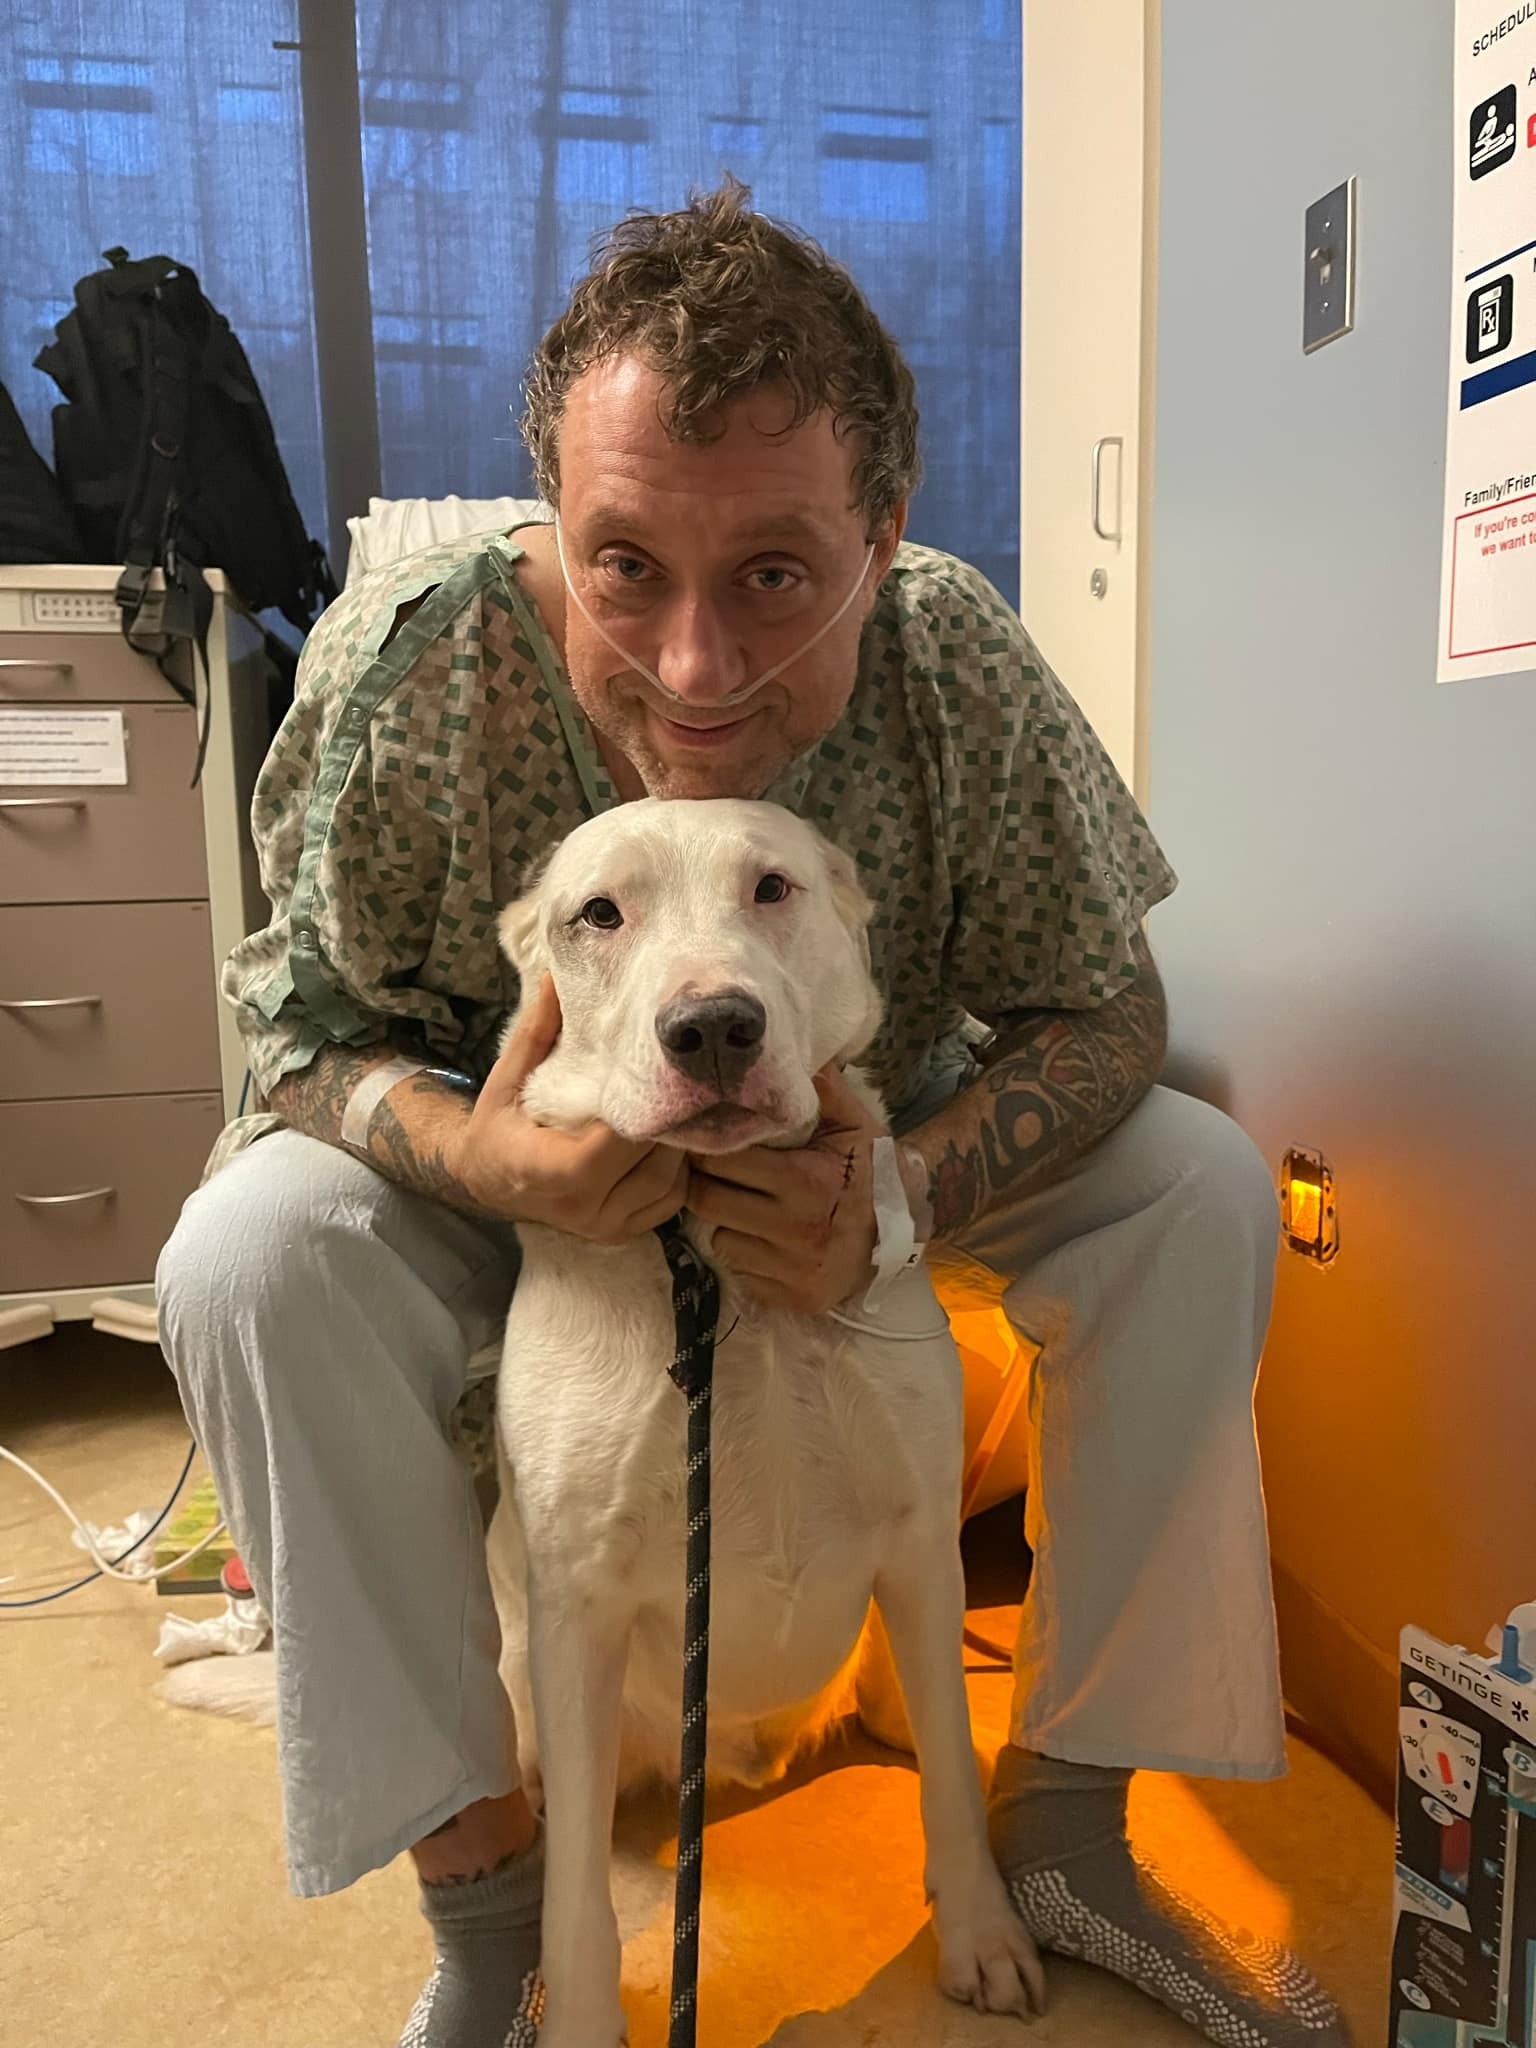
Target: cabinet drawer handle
(1108, 441)
(41, 668)
(62, 1201)
(50, 1003)
(42, 803)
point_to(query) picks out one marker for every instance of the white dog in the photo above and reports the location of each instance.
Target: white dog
(710, 958)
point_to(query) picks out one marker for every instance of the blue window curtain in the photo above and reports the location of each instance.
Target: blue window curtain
(496, 142)
(169, 126)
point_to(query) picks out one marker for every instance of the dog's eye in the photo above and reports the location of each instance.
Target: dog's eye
(771, 889)
(601, 913)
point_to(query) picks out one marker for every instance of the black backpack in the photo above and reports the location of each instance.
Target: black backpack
(166, 456)
(35, 525)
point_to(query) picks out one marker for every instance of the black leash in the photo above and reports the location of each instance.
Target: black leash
(696, 1311)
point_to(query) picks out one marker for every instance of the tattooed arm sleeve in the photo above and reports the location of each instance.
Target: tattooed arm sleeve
(409, 1133)
(1056, 1081)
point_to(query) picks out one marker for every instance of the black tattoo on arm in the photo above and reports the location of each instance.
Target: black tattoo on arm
(314, 1100)
(410, 1132)
(1055, 1083)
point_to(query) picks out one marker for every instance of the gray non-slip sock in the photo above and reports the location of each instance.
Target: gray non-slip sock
(1058, 1833)
(485, 1990)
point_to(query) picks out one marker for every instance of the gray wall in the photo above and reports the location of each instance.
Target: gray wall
(1351, 956)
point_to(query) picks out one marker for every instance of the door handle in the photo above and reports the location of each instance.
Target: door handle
(1106, 441)
(42, 803)
(63, 1201)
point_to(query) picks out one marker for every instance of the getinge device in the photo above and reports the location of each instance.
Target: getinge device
(1464, 1941)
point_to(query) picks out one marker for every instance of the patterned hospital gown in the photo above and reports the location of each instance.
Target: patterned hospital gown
(413, 787)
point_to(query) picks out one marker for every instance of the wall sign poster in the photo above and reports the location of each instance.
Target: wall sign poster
(1488, 571)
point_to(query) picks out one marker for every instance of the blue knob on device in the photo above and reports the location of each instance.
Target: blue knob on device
(1509, 1665)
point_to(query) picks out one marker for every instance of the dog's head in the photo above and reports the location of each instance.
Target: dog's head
(710, 957)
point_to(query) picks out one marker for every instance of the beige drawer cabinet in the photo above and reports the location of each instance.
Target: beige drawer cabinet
(118, 902)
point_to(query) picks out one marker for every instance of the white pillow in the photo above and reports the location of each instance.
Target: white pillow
(393, 527)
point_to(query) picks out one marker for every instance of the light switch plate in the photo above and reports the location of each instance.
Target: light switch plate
(1328, 304)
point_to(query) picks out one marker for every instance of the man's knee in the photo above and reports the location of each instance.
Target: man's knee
(1208, 1197)
(232, 1256)
(296, 1258)
(1222, 1169)
(1213, 1176)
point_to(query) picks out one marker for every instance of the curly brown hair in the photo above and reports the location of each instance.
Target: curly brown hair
(720, 299)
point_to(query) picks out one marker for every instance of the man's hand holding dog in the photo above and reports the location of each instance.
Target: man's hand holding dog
(796, 1228)
(590, 1182)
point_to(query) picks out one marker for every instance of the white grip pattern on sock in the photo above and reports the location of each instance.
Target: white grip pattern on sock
(523, 2033)
(1060, 1920)
(415, 2033)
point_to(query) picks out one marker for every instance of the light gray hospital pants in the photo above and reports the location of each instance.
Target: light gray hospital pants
(319, 1320)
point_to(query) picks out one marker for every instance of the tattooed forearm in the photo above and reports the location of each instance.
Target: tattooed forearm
(410, 1135)
(314, 1100)
(1056, 1081)
(410, 1132)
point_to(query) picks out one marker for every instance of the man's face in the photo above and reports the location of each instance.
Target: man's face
(709, 564)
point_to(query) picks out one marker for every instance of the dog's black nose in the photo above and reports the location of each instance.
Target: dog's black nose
(713, 1038)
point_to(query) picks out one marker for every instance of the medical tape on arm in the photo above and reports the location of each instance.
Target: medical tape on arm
(369, 1093)
(903, 1219)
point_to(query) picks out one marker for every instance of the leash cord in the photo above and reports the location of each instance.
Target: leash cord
(696, 1313)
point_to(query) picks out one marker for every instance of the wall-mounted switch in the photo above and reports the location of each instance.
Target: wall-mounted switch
(1328, 303)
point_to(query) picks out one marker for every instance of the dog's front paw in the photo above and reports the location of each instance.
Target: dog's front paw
(986, 1956)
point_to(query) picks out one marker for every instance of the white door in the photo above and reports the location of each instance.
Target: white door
(1086, 150)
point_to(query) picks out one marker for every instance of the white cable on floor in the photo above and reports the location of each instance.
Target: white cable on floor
(103, 1563)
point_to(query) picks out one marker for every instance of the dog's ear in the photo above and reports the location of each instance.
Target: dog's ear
(521, 939)
(520, 932)
(854, 911)
(848, 897)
